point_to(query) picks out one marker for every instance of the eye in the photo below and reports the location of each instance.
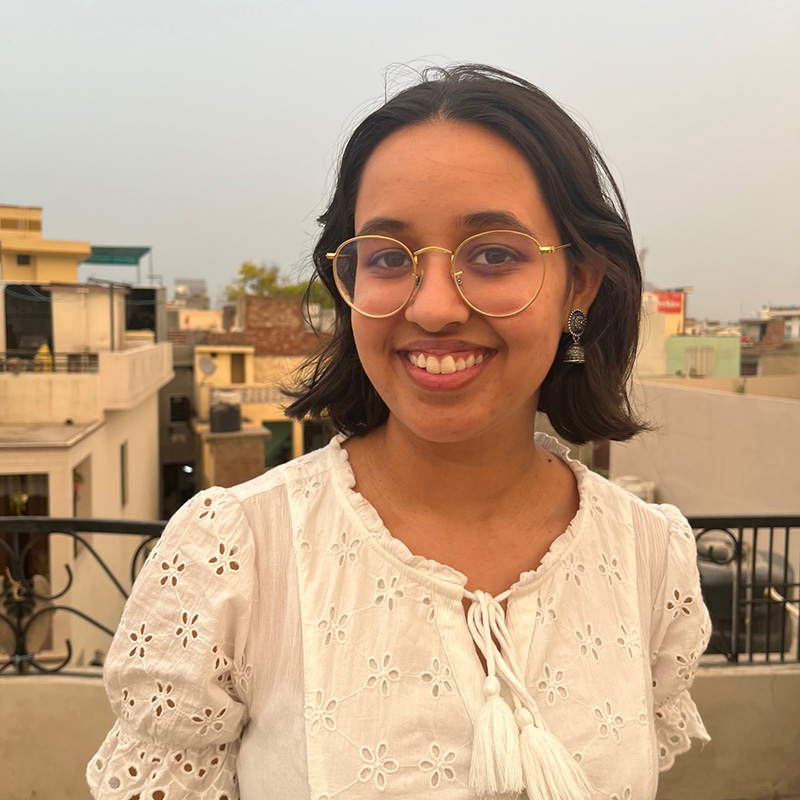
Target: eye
(390, 259)
(493, 256)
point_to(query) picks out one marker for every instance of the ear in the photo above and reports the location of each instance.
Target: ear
(587, 275)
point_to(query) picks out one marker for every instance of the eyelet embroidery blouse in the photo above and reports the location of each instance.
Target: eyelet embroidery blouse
(280, 643)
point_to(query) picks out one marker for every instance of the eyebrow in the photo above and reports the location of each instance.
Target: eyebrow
(504, 220)
(382, 225)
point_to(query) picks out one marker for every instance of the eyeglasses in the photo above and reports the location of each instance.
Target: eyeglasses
(497, 273)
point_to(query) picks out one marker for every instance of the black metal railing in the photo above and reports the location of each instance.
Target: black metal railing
(750, 572)
(16, 361)
(27, 607)
(749, 568)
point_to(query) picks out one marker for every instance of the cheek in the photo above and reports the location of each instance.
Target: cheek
(368, 338)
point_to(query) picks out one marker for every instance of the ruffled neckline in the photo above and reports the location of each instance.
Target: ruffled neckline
(434, 571)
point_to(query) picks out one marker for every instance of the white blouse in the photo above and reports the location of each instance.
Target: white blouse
(280, 643)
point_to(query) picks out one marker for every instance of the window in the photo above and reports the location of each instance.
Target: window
(24, 496)
(699, 362)
(23, 260)
(123, 473)
(237, 368)
(180, 409)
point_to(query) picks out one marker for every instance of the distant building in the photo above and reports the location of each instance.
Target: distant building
(191, 293)
(27, 257)
(771, 341)
(667, 349)
(785, 319)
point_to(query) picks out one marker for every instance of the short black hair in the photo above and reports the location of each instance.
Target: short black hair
(583, 402)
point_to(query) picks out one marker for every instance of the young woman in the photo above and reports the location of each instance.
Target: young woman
(440, 603)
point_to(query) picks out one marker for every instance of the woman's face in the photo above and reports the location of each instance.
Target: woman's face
(436, 184)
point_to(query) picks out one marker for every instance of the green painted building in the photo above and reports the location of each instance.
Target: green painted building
(704, 356)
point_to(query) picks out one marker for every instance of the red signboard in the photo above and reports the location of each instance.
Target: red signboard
(669, 302)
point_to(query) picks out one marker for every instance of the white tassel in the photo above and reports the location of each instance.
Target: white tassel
(495, 765)
(550, 771)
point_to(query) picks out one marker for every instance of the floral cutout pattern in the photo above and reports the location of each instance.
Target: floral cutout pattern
(551, 685)
(574, 570)
(333, 627)
(321, 713)
(589, 643)
(225, 558)
(140, 638)
(172, 570)
(161, 700)
(346, 548)
(389, 592)
(382, 673)
(439, 678)
(630, 640)
(679, 603)
(608, 722)
(187, 630)
(377, 765)
(439, 763)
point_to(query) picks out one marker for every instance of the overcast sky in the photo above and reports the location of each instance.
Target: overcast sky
(208, 129)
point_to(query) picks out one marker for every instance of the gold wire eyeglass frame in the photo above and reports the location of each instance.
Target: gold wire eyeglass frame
(419, 272)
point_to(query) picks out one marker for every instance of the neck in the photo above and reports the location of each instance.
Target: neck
(467, 479)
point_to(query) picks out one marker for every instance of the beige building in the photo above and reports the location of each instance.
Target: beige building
(26, 256)
(78, 415)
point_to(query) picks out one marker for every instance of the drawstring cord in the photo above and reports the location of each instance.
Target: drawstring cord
(515, 750)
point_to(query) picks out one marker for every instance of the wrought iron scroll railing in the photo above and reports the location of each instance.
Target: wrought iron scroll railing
(750, 573)
(27, 607)
(749, 568)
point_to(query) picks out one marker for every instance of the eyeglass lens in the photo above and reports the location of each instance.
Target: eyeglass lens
(497, 272)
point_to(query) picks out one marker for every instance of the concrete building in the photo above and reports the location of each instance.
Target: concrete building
(668, 346)
(703, 356)
(78, 407)
(755, 327)
(191, 293)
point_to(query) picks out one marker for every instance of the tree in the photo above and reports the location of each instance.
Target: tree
(266, 281)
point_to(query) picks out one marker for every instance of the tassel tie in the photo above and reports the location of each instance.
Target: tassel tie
(514, 750)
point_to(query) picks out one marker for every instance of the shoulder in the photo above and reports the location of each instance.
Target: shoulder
(316, 466)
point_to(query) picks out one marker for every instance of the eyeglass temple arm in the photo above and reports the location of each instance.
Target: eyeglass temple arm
(553, 248)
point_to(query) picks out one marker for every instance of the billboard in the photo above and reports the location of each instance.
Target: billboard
(669, 302)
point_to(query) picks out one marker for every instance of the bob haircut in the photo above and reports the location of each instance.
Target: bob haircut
(582, 401)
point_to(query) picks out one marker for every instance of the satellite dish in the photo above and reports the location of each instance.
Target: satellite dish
(207, 365)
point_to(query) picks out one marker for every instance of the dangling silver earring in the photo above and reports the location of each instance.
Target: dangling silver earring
(576, 324)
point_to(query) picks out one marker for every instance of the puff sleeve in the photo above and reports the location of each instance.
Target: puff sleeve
(176, 673)
(680, 630)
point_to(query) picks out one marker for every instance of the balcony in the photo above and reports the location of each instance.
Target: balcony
(80, 386)
(747, 688)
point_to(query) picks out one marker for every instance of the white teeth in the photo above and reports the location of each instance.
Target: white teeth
(448, 365)
(432, 365)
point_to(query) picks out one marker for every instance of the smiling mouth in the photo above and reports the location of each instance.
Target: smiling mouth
(448, 364)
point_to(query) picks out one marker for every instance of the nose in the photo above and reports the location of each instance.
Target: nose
(436, 303)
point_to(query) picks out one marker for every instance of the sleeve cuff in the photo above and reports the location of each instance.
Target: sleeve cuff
(126, 766)
(677, 723)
